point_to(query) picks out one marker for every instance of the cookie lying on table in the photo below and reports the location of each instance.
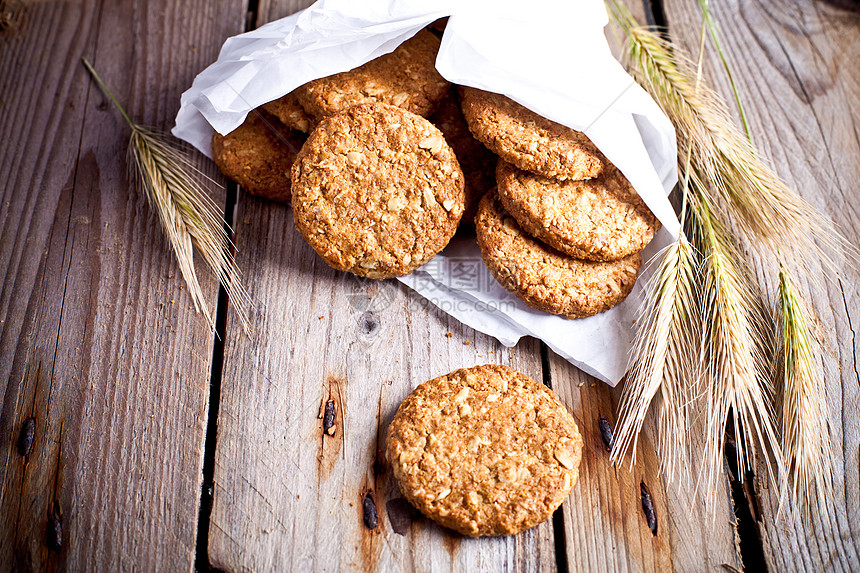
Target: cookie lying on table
(484, 450)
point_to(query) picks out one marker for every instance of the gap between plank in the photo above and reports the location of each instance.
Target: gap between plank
(559, 541)
(201, 553)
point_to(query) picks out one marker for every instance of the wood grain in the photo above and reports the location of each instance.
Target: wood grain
(290, 496)
(99, 342)
(797, 65)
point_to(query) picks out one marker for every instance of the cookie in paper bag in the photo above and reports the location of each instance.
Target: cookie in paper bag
(476, 161)
(258, 155)
(600, 219)
(543, 277)
(290, 113)
(528, 140)
(377, 191)
(406, 77)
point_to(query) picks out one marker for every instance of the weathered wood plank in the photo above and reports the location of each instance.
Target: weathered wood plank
(287, 495)
(797, 65)
(98, 338)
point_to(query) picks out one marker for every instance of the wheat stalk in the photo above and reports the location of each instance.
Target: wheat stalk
(805, 431)
(662, 359)
(805, 436)
(732, 185)
(662, 364)
(727, 162)
(188, 216)
(735, 350)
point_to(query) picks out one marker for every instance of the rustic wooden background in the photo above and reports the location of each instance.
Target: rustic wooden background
(160, 447)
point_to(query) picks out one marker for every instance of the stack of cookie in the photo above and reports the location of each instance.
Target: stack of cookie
(564, 229)
(376, 189)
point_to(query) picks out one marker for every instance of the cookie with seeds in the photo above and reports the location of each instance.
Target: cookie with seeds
(258, 155)
(543, 277)
(601, 219)
(377, 191)
(406, 77)
(528, 140)
(288, 110)
(484, 450)
(476, 161)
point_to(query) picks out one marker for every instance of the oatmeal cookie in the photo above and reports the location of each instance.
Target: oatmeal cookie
(258, 155)
(406, 77)
(601, 219)
(484, 450)
(290, 113)
(377, 191)
(544, 278)
(476, 161)
(528, 140)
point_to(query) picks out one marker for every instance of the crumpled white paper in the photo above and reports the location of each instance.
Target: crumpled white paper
(549, 55)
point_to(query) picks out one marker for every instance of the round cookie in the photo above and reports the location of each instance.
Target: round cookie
(484, 450)
(543, 277)
(406, 77)
(290, 113)
(258, 155)
(476, 161)
(601, 219)
(528, 140)
(377, 191)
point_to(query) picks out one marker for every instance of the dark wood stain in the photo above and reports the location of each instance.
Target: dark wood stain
(26, 436)
(369, 514)
(54, 532)
(328, 418)
(648, 508)
(848, 5)
(451, 540)
(370, 543)
(331, 427)
(606, 433)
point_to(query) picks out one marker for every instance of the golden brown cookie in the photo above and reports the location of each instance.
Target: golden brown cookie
(528, 140)
(543, 277)
(377, 191)
(601, 219)
(477, 162)
(484, 450)
(258, 155)
(290, 113)
(406, 77)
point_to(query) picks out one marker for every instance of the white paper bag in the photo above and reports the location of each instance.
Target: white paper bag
(548, 55)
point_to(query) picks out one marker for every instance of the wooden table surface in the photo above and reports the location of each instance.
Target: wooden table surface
(160, 447)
